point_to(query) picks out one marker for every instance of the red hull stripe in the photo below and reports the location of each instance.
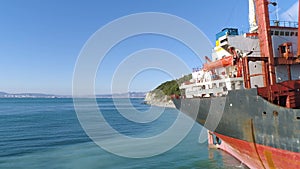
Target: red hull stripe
(260, 156)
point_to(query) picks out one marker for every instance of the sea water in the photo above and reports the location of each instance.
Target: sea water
(46, 133)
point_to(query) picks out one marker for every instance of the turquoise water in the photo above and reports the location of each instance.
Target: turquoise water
(45, 133)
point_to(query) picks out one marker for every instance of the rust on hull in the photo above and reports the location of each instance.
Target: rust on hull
(251, 126)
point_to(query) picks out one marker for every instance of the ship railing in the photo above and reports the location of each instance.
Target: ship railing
(290, 24)
(197, 69)
(229, 83)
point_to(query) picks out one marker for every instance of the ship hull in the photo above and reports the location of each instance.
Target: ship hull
(258, 156)
(258, 133)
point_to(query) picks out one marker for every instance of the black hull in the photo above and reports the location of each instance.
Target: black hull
(244, 115)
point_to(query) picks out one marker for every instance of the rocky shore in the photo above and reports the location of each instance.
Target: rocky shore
(154, 100)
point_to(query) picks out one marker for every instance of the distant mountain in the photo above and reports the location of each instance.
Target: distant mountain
(2, 93)
(42, 95)
(27, 95)
(123, 95)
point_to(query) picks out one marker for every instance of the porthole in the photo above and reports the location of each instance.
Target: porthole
(275, 113)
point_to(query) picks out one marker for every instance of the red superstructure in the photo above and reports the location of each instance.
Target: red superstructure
(285, 94)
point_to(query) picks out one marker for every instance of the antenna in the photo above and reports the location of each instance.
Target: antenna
(277, 10)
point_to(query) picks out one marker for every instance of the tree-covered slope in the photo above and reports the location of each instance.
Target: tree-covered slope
(170, 87)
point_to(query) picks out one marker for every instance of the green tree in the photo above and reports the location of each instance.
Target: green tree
(170, 87)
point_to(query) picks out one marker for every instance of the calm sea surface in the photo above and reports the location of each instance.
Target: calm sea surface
(45, 133)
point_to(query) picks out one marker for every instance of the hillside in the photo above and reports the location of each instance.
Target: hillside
(160, 96)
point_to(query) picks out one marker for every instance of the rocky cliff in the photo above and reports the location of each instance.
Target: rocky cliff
(160, 96)
(153, 99)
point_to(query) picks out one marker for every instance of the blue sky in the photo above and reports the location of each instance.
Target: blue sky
(41, 40)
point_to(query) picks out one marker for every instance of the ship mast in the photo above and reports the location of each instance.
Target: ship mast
(298, 50)
(252, 17)
(265, 41)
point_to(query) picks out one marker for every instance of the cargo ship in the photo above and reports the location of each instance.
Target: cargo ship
(248, 94)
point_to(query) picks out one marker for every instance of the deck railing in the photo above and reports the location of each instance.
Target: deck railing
(290, 24)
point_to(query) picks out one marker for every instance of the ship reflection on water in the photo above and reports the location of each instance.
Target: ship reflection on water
(222, 158)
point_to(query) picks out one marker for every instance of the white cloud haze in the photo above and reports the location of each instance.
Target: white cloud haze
(291, 14)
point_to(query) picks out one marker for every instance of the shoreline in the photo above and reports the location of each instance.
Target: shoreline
(161, 104)
(152, 100)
